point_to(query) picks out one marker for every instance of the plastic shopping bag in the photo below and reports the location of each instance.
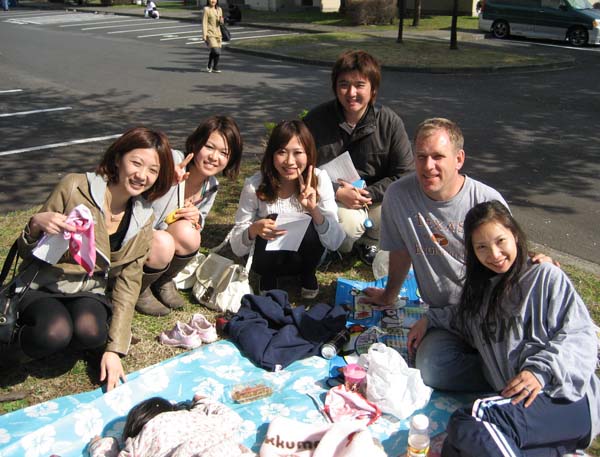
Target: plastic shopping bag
(394, 387)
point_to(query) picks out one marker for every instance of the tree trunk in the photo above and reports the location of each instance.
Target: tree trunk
(417, 13)
(453, 38)
(401, 14)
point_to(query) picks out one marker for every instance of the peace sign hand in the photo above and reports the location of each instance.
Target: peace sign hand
(308, 194)
(180, 170)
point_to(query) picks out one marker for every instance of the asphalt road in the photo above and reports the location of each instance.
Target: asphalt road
(533, 135)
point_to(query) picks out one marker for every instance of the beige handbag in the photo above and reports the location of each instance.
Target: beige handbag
(220, 282)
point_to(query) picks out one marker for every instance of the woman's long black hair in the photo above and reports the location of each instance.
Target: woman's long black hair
(145, 411)
(477, 276)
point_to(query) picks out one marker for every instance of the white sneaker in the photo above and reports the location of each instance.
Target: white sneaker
(309, 294)
(208, 70)
(216, 71)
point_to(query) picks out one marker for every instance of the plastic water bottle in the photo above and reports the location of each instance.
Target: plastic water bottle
(418, 436)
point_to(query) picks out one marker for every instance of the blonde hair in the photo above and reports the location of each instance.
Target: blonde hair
(429, 126)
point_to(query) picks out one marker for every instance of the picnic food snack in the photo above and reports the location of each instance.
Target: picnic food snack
(245, 393)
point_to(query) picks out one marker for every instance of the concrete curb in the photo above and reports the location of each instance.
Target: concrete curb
(567, 63)
(567, 259)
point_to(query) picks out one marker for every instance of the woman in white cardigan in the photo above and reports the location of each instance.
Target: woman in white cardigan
(288, 182)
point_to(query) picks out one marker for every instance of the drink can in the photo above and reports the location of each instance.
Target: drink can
(333, 347)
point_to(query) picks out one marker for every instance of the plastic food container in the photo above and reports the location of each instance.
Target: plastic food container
(251, 391)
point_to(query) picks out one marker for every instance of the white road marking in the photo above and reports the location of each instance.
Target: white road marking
(58, 18)
(115, 19)
(37, 111)
(58, 145)
(179, 37)
(169, 34)
(113, 26)
(562, 46)
(10, 91)
(250, 37)
(152, 28)
(22, 21)
(31, 14)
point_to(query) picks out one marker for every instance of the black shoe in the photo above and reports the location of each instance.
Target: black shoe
(328, 258)
(367, 253)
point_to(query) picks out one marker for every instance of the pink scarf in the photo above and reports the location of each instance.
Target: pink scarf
(82, 243)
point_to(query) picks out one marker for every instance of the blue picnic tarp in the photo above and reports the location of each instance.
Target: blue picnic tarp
(65, 425)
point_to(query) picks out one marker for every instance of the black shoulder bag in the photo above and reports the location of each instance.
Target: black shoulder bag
(9, 297)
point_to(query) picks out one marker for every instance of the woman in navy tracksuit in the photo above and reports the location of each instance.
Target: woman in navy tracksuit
(538, 345)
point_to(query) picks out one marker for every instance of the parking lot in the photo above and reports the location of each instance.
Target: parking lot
(66, 92)
(163, 31)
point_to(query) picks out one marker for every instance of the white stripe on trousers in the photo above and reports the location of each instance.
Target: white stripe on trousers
(479, 407)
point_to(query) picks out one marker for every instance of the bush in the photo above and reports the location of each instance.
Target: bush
(115, 2)
(367, 12)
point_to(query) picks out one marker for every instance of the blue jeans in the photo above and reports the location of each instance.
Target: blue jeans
(448, 363)
(5, 5)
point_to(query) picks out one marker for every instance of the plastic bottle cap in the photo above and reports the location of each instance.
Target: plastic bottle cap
(420, 422)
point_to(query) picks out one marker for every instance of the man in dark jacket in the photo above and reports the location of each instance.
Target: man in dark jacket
(374, 136)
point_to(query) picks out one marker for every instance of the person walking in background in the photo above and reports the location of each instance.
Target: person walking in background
(374, 136)
(537, 342)
(287, 183)
(214, 147)
(212, 18)
(90, 303)
(5, 5)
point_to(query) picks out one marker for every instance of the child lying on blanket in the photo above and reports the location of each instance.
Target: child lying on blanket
(156, 427)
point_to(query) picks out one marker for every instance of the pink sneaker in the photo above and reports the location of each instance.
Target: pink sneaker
(206, 330)
(182, 335)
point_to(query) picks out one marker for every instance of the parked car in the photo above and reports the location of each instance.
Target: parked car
(575, 21)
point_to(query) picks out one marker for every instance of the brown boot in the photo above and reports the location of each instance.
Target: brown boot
(164, 288)
(147, 303)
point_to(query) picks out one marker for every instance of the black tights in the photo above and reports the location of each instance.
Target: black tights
(213, 58)
(288, 263)
(49, 325)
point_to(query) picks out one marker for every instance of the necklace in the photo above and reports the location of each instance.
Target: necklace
(112, 217)
(199, 195)
(116, 217)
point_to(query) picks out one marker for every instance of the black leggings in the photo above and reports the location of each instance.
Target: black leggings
(288, 263)
(50, 324)
(213, 58)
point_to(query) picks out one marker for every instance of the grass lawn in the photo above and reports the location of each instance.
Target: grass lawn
(70, 373)
(313, 16)
(413, 53)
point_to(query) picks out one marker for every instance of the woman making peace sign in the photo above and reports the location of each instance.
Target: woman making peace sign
(214, 147)
(288, 182)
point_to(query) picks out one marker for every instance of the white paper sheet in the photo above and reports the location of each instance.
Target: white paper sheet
(296, 225)
(341, 168)
(51, 248)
